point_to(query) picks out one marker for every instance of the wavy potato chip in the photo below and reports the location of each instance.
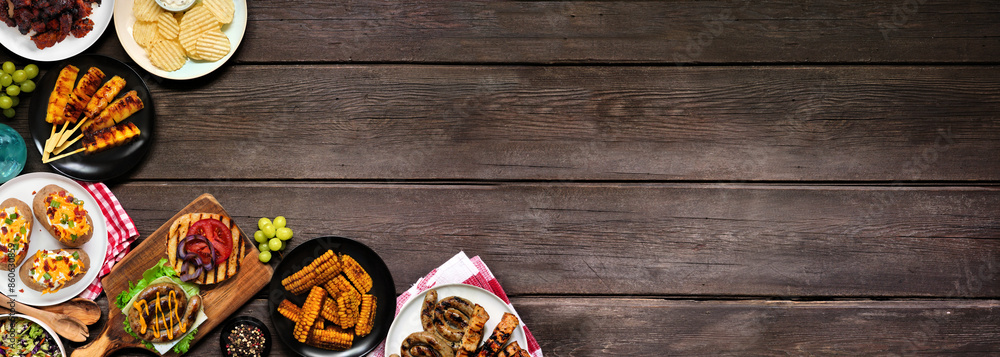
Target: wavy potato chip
(146, 10)
(168, 26)
(195, 22)
(213, 45)
(145, 33)
(222, 9)
(167, 55)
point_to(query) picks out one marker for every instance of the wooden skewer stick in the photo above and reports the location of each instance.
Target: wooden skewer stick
(47, 149)
(62, 156)
(65, 136)
(59, 135)
(50, 144)
(67, 144)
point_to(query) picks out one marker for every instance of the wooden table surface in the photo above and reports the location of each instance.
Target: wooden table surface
(654, 177)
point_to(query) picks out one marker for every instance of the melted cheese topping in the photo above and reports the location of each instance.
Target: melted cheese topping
(66, 216)
(53, 269)
(14, 229)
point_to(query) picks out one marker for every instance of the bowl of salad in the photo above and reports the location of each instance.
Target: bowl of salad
(22, 336)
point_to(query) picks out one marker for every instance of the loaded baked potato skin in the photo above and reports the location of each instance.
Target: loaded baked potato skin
(24, 211)
(43, 208)
(25, 274)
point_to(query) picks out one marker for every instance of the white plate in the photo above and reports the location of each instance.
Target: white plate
(22, 45)
(408, 320)
(22, 188)
(124, 19)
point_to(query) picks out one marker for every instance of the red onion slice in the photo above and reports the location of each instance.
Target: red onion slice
(191, 259)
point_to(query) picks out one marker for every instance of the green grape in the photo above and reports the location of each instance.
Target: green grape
(259, 237)
(8, 67)
(6, 80)
(283, 233)
(283, 245)
(264, 256)
(31, 70)
(19, 76)
(274, 244)
(13, 90)
(263, 247)
(279, 221)
(6, 102)
(16, 101)
(263, 221)
(28, 86)
(268, 231)
(9, 112)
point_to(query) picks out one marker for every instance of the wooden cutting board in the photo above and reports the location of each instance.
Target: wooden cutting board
(220, 300)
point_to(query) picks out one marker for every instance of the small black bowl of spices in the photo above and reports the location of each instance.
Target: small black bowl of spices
(245, 336)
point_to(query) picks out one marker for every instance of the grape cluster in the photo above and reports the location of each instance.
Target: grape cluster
(272, 236)
(13, 82)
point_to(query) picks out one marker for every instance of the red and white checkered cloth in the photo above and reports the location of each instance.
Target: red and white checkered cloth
(461, 269)
(121, 233)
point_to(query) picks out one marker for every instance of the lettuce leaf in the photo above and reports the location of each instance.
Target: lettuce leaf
(161, 269)
(128, 330)
(184, 344)
(158, 273)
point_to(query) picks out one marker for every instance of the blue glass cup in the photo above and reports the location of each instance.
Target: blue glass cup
(13, 153)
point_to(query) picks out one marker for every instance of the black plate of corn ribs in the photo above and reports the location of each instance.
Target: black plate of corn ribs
(332, 296)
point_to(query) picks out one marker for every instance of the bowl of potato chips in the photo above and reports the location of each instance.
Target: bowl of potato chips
(180, 44)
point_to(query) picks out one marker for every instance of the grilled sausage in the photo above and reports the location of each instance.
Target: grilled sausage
(425, 344)
(451, 317)
(152, 316)
(427, 310)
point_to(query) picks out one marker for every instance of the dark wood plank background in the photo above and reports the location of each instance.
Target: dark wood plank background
(658, 177)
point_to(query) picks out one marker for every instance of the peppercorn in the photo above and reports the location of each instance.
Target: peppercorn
(245, 341)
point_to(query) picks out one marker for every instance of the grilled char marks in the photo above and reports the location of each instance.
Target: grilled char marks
(451, 317)
(427, 310)
(425, 344)
(229, 268)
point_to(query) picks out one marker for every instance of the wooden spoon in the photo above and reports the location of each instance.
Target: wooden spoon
(66, 326)
(82, 309)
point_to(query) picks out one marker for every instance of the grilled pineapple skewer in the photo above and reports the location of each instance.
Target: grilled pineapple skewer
(56, 109)
(55, 113)
(97, 102)
(101, 113)
(102, 140)
(110, 137)
(117, 111)
(78, 100)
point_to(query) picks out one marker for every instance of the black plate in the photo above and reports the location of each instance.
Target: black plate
(110, 163)
(227, 329)
(384, 290)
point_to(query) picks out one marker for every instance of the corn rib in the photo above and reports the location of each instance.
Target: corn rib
(356, 274)
(310, 311)
(366, 316)
(289, 310)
